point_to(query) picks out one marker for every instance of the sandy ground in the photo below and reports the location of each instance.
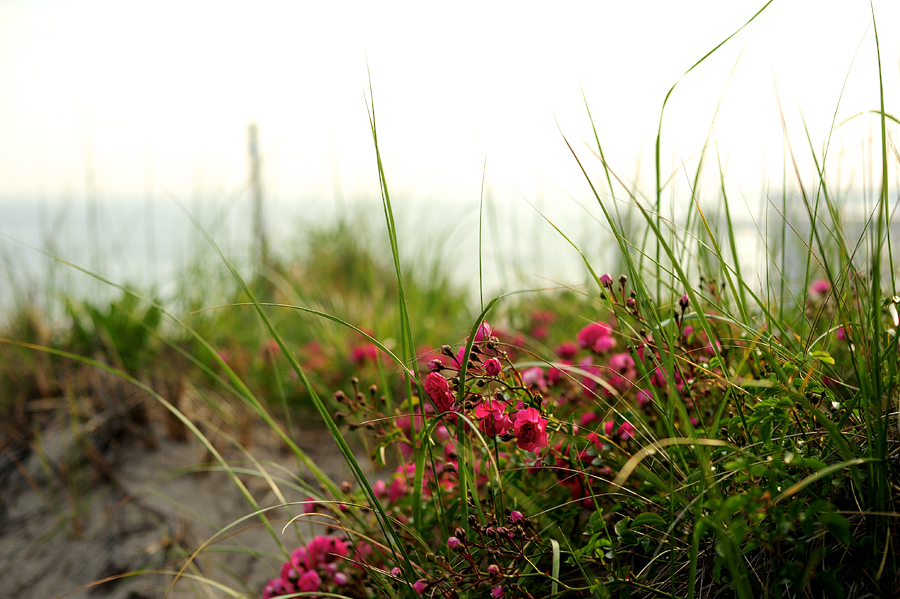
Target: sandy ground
(68, 521)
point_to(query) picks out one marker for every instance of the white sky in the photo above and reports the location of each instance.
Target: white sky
(160, 93)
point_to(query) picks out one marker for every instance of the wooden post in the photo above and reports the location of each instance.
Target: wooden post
(260, 254)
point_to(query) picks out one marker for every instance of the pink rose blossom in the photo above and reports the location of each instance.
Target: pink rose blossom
(492, 367)
(363, 353)
(626, 431)
(589, 335)
(484, 332)
(644, 397)
(289, 573)
(587, 418)
(309, 506)
(622, 371)
(309, 581)
(604, 344)
(275, 588)
(566, 350)
(379, 488)
(438, 389)
(820, 287)
(326, 549)
(530, 430)
(533, 376)
(494, 419)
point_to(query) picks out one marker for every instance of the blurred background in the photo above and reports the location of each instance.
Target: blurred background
(113, 113)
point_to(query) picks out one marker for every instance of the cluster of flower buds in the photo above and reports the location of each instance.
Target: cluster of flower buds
(490, 558)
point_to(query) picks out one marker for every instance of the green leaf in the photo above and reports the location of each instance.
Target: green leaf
(837, 525)
(647, 519)
(598, 590)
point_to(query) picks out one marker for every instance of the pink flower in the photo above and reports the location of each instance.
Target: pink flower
(626, 431)
(540, 331)
(275, 588)
(556, 375)
(496, 423)
(363, 353)
(497, 592)
(438, 389)
(395, 571)
(515, 516)
(621, 363)
(589, 335)
(420, 585)
(644, 397)
(587, 418)
(622, 371)
(442, 433)
(341, 578)
(379, 488)
(841, 334)
(533, 376)
(566, 350)
(398, 489)
(290, 572)
(326, 549)
(494, 419)
(820, 287)
(606, 279)
(492, 367)
(453, 542)
(484, 332)
(309, 581)
(530, 430)
(604, 344)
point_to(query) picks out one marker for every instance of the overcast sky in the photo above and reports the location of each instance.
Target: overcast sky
(158, 95)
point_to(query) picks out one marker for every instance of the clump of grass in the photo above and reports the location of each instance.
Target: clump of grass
(691, 439)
